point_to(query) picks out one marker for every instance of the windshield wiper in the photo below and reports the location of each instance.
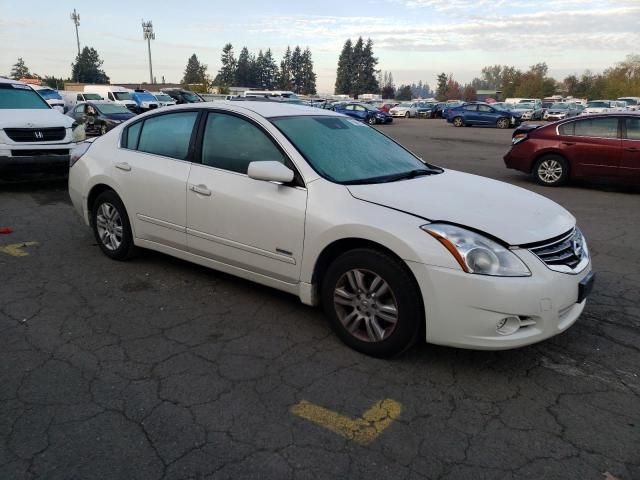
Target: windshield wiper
(396, 176)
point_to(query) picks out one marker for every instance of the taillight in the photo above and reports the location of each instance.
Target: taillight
(519, 137)
(77, 152)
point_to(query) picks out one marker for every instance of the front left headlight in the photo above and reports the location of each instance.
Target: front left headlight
(476, 253)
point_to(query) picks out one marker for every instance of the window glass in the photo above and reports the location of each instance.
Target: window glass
(472, 108)
(18, 96)
(485, 108)
(168, 135)
(232, 143)
(79, 109)
(597, 127)
(132, 135)
(633, 128)
(349, 107)
(360, 108)
(567, 128)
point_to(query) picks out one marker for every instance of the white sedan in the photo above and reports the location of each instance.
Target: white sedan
(319, 205)
(405, 110)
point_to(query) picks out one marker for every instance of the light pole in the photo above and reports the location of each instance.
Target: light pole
(147, 30)
(75, 17)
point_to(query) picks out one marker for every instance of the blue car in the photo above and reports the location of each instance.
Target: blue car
(469, 114)
(145, 100)
(364, 113)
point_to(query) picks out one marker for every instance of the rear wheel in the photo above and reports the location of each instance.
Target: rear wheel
(111, 226)
(372, 302)
(503, 123)
(458, 122)
(372, 120)
(407, 115)
(551, 170)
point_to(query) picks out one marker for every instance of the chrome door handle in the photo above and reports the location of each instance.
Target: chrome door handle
(123, 166)
(568, 143)
(201, 189)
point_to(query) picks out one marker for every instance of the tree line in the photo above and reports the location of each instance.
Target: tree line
(356, 72)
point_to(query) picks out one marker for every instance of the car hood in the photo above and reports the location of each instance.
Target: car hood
(118, 116)
(36, 118)
(512, 214)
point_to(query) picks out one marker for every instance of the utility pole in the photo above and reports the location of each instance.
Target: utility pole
(75, 17)
(147, 30)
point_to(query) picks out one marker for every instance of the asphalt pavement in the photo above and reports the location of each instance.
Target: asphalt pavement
(159, 369)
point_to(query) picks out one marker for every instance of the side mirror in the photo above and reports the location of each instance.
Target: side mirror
(270, 171)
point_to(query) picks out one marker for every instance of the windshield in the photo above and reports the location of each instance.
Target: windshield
(344, 150)
(147, 97)
(20, 96)
(560, 106)
(192, 97)
(629, 101)
(598, 105)
(406, 105)
(49, 94)
(93, 96)
(525, 105)
(109, 108)
(122, 95)
(163, 97)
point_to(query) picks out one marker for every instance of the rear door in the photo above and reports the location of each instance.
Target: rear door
(593, 146)
(470, 114)
(630, 161)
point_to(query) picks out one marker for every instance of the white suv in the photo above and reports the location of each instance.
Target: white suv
(32, 134)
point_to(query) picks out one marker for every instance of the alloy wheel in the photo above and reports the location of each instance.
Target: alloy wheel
(366, 306)
(109, 226)
(550, 171)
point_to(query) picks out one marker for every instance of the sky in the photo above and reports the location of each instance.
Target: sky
(413, 39)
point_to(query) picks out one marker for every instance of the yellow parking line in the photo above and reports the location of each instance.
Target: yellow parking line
(15, 249)
(362, 430)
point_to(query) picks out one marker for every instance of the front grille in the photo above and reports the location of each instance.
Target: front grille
(152, 106)
(568, 250)
(36, 134)
(39, 152)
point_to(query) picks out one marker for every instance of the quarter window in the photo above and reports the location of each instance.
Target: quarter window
(633, 128)
(133, 132)
(167, 135)
(597, 127)
(567, 128)
(231, 143)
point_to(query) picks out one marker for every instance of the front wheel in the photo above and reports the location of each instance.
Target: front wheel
(372, 302)
(551, 170)
(372, 121)
(111, 226)
(458, 122)
(407, 115)
(503, 123)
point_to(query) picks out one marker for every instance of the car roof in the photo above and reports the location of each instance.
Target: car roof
(10, 80)
(264, 109)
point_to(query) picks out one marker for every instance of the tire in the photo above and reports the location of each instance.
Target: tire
(407, 115)
(458, 122)
(103, 129)
(107, 215)
(380, 328)
(503, 123)
(372, 121)
(551, 171)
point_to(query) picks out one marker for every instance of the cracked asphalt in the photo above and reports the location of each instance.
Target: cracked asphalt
(160, 369)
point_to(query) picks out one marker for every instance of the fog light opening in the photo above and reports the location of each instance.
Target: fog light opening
(508, 325)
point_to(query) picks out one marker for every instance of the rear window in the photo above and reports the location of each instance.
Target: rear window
(17, 96)
(633, 128)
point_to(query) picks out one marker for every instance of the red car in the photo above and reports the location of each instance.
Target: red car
(593, 146)
(385, 107)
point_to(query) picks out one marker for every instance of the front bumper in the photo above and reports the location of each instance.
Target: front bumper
(463, 310)
(35, 163)
(555, 116)
(397, 114)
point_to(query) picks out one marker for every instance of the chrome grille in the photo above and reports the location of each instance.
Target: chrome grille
(567, 250)
(36, 134)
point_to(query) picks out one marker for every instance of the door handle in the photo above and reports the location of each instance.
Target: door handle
(568, 143)
(632, 149)
(200, 189)
(123, 166)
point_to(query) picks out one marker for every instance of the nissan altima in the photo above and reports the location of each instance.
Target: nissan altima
(322, 206)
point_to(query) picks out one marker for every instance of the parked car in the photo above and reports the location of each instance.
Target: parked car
(438, 110)
(385, 107)
(145, 100)
(100, 116)
(561, 110)
(597, 146)
(633, 103)
(469, 114)
(447, 107)
(364, 113)
(405, 109)
(503, 106)
(163, 99)
(309, 202)
(600, 106)
(33, 136)
(180, 95)
(51, 96)
(528, 111)
(72, 98)
(114, 93)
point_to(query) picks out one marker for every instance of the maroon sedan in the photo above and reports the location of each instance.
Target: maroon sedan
(593, 146)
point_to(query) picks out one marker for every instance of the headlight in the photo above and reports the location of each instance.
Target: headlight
(116, 121)
(476, 253)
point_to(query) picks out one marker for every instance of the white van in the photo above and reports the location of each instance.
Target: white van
(270, 94)
(114, 93)
(51, 96)
(32, 134)
(71, 99)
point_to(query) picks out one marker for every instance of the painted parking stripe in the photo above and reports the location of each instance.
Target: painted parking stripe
(362, 430)
(16, 249)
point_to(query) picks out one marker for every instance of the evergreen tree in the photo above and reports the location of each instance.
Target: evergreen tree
(87, 67)
(243, 71)
(441, 92)
(356, 69)
(308, 85)
(270, 71)
(195, 72)
(344, 74)
(285, 77)
(20, 70)
(404, 92)
(367, 74)
(227, 73)
(296, 69)
(259, 72)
